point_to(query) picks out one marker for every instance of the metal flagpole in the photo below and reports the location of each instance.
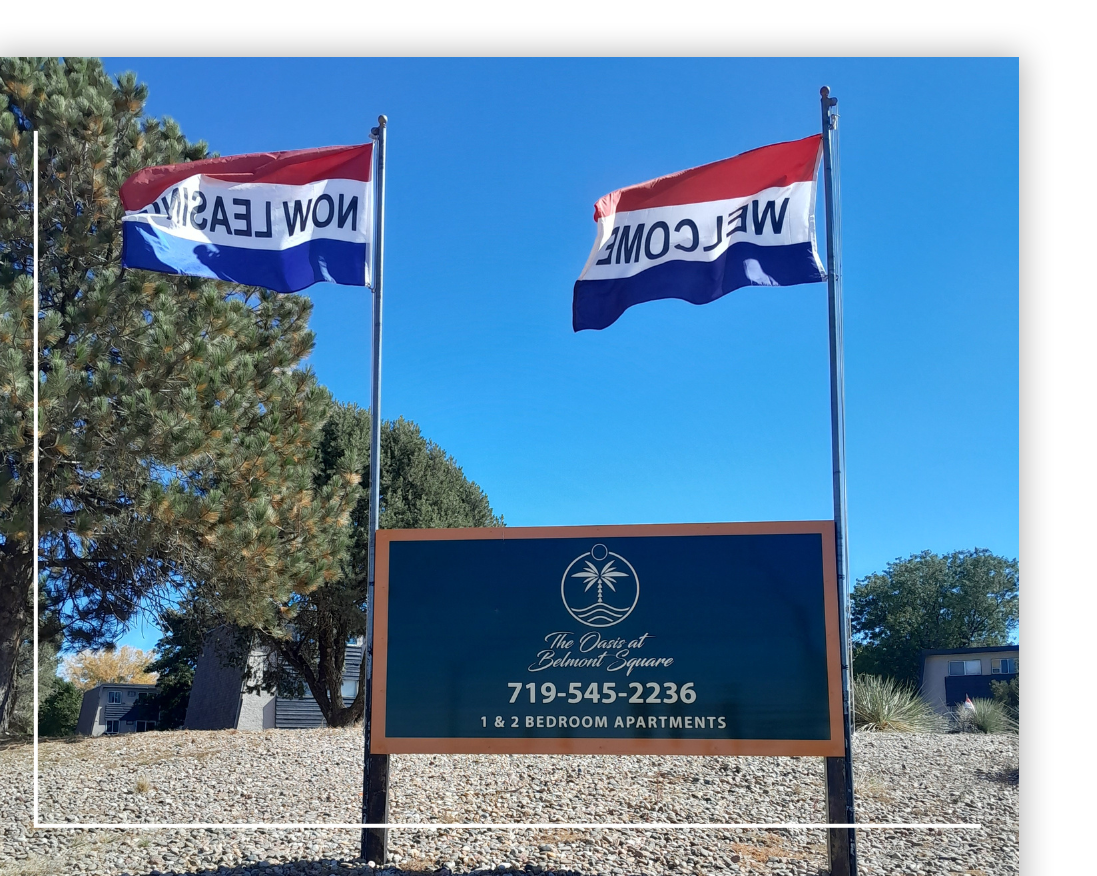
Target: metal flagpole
(842, 841)
(375, 769)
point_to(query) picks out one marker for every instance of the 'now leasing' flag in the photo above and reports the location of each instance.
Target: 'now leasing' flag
(281, 220)
(701, 233)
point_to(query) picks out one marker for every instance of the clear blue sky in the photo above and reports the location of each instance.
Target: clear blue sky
(676, 413)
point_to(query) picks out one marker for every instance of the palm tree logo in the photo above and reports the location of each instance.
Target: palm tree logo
(593, 575)
(617, 588)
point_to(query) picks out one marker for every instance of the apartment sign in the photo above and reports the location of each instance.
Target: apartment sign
(673, 639)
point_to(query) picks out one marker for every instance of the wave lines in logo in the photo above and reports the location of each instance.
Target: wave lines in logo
(600, 588)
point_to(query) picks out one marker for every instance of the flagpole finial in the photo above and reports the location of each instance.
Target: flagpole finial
(828, 101)
(382, 121)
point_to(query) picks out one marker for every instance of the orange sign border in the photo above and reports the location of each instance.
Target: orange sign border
(382, 744)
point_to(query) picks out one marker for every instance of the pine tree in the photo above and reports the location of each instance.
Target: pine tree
(176, 428)
(422, 487)
(22, 717)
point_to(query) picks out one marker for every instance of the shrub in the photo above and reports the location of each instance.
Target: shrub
(887, 705)
(985, 716)
(1008, 693)
(58, 715)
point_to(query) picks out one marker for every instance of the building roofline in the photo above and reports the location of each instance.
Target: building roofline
(118, 684)
(980, 650)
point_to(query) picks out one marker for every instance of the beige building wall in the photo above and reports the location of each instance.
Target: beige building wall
(256, 709)
(936, 668)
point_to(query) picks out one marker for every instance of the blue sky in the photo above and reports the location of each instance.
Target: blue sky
(676, 413)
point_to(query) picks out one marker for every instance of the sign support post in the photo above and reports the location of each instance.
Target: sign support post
(375, 771)
(842, 841)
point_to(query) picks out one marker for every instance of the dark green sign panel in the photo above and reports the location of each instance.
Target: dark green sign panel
(692, 639)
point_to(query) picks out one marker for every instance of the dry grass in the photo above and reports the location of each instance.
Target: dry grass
(659, 783)
(138, 749)
(559, 835)
(868, 786)
(142, 785)
(28, 867)
(417, 865)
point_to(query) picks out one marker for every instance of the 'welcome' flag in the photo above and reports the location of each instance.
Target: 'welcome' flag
(701, 233)
(282, 220)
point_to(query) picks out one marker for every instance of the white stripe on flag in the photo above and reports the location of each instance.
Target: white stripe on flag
(753, 219)
(261, 216)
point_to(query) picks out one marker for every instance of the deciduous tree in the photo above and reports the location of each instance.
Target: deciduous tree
(961, 600)
(125, 665)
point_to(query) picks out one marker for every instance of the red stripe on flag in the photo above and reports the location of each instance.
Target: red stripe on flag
(294, 168)
(767, 167)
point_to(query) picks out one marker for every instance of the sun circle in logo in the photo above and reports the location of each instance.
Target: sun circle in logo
(600, 588)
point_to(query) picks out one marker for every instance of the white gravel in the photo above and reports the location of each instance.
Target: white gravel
(315, 776)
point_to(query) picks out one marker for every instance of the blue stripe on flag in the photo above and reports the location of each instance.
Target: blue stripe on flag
(286, 270)
(598, 303)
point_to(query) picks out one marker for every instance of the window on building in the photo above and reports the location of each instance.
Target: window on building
(131, 694)
(112, 726)
(349, 689)
(1005, 666)
(144, 697)
(144, 726)
(965, 667)
(114, 697)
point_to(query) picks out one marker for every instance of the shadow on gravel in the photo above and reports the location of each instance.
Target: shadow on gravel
(347, 868)
(7, 742)
(1002, 777)
(357, 868)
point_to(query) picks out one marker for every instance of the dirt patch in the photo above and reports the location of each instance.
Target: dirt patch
(768, 846)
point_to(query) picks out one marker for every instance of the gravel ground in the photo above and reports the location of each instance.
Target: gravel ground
(314, 776)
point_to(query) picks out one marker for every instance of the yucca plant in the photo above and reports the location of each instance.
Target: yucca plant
(984, 716)
(886, 705)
